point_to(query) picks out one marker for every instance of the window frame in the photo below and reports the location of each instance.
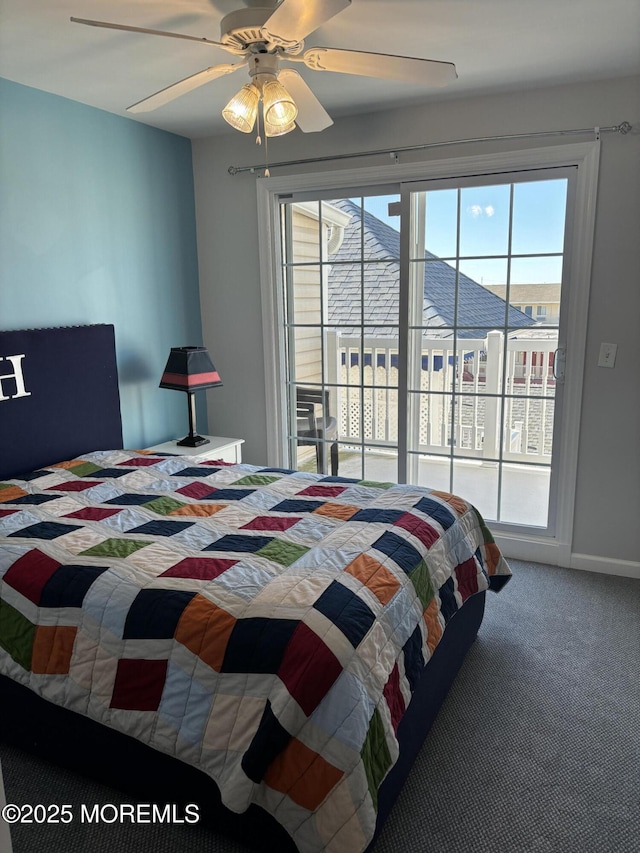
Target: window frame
(554, 548)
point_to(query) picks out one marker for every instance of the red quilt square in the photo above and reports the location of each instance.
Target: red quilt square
(141, 461)
(394, 697)
(467, 578)
(196, 490)
(74, 486)
(199, 568)
(29, 574)
(308, 668)
(271, 522)
(93, 513)
(320, 491)
(139, 684)
(420, 529)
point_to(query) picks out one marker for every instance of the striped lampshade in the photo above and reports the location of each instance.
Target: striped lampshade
(189, 369)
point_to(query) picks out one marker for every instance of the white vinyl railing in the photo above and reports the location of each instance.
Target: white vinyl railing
(501, 394)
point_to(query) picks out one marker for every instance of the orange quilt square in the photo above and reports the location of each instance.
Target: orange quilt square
(341, 511)
(204, 628)
(375, 577)
(52, 649)
(11, 493)
(302, 775)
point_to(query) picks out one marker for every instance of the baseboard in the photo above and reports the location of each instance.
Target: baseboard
(554, 553)
(533, 550)
(606, 565)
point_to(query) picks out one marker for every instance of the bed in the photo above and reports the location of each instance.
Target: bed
(276, 643)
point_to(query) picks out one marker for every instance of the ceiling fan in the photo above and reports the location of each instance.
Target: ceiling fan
(266, 33)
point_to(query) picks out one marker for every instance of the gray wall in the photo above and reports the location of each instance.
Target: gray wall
(607, 519)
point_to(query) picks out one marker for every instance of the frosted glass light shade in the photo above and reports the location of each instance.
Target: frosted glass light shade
(275, 130)
(242, 109)
(279, 108)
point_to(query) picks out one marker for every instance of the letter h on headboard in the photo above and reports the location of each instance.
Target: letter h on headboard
(17, 376)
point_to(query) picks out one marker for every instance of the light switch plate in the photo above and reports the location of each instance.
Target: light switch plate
(607, 357)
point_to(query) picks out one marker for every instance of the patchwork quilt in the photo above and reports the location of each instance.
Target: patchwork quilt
(264, 625)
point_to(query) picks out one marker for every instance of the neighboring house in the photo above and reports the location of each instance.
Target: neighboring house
(539, 301)
(478, 308)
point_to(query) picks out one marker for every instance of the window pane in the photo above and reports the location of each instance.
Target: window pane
(439, 281)
(350, 413)
(434, 425)
(528, 429)
(344, 303)
(306, 288)
(381, 288)
(433, 472)
(382, 230)
(306, 360)
(484, 220)
(471, 410)
(381, 464)
(478, 484)
(538, 217)
(542, 270)
(530, 367)
(304, 235)
(525, 495)
(436, 371)
(441, 223)
(380, 414)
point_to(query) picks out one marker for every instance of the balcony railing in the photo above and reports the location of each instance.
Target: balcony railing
(504, 395)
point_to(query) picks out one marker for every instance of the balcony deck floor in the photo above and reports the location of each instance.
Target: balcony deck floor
(524, 488)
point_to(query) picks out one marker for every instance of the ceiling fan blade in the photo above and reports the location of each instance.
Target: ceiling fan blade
(312, 116)
(293, 20)
(163, 97)
(381, 65)
(146, 31)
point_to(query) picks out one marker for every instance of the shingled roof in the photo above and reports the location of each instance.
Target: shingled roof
(476, 306)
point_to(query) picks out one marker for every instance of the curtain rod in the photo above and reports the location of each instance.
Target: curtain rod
(622, 128)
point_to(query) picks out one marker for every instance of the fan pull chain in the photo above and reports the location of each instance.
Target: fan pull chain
(267, 173)
(258, 137)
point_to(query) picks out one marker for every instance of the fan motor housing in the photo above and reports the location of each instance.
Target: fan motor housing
(242, 28)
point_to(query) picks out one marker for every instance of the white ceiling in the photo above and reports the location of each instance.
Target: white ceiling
(497, 45)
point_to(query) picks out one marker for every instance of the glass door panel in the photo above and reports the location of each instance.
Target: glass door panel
(485, 281)
(340, 277)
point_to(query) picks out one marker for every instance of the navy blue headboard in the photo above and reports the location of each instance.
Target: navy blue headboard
(58, 396)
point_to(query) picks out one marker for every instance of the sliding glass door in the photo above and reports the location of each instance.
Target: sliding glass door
(423, 333)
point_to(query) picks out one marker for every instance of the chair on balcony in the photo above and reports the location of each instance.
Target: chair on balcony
(312, 430)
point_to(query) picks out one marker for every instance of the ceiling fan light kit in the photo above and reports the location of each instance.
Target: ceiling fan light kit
(242, 109)
(263, 36)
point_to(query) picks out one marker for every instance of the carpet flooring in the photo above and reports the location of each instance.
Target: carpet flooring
(536, 749)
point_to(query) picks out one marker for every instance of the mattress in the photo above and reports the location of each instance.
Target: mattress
(268, 627)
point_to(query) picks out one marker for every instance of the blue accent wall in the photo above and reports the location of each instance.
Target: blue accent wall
(97, 225)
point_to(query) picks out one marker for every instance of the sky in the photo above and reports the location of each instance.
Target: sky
(537, 228)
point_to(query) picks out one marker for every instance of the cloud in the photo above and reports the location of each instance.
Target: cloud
(477, 210)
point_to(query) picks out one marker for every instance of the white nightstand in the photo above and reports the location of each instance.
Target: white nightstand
(226, 449)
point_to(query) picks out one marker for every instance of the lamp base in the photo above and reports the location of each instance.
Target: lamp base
(192, 441)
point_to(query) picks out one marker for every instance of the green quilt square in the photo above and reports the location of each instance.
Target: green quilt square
(164, 505)
(255, 480)
(17, 634)
(375, 756)
(285, 553)
(375, 484)
(422, 582)
(84, 469)
(115, 548)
